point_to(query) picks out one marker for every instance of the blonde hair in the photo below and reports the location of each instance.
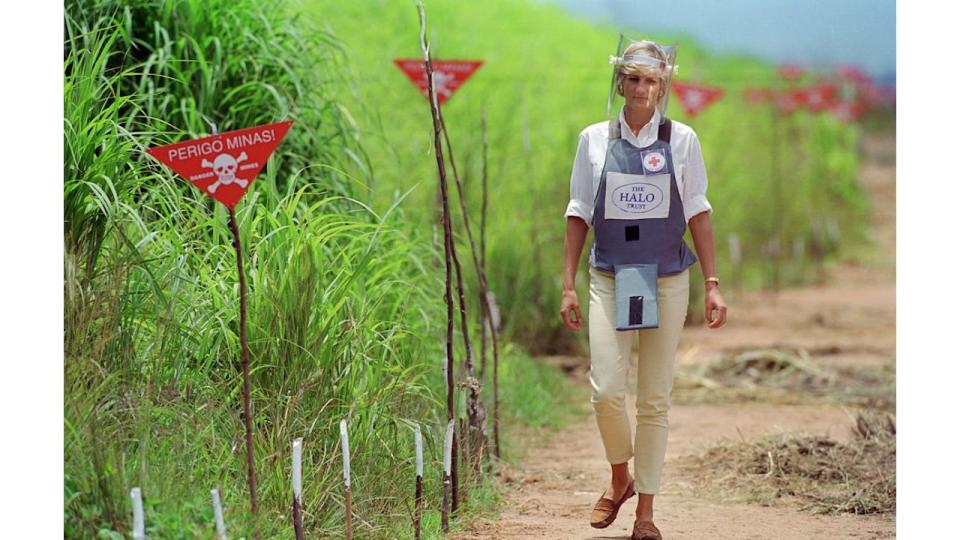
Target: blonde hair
(644, 48)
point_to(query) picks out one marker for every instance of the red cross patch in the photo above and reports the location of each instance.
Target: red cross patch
(654, 161)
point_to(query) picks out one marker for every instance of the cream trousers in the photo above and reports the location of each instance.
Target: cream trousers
(609, 364)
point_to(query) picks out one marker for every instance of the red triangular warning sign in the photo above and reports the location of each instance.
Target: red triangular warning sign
(820, 97)
(224, 165)
(789, 101)
(791, 72)
(448, 75)
(847, 111)
(757, 95)
(696, 97)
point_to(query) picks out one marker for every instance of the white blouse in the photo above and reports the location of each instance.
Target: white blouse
(690, 172)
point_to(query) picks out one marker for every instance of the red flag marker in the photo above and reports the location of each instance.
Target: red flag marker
(791, 72)
(886, 94)
(853, 74)
(847, 111)
(758, 95)
(448, 75)
(820, 97)
(789, 101)
(872, 95)
(696, 97)
(224, 165)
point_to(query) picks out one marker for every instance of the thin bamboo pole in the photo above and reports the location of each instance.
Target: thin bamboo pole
(448, 241)
(247, 414)
(475, 409)
(483, 245)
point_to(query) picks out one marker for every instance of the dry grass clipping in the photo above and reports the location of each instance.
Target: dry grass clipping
(826, 476)
(785, 376)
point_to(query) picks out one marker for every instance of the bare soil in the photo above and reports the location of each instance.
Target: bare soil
(846, 323)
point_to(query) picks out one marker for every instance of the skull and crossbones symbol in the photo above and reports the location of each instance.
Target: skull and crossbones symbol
(225, 167)
(441, 82)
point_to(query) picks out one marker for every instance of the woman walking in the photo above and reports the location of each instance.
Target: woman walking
(639, 180)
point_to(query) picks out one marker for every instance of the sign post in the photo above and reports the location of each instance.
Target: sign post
(224, 166)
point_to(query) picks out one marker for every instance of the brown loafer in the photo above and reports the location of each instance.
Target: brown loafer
(645, 530)
(605, 511)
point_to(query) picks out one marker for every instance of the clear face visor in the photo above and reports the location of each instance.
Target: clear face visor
(666, 67)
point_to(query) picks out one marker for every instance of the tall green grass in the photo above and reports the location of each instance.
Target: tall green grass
(344, 318)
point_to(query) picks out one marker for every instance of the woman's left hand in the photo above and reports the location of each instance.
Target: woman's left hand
(715, 308)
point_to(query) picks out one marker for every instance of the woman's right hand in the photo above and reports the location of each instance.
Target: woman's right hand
(570, 306)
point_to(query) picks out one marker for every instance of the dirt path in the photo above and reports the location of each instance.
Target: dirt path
(851, 320)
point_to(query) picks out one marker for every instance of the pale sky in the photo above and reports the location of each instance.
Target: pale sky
(817, 33)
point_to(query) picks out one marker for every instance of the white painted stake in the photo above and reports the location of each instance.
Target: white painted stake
(833, 229)
(348, 496)
(799, 246)
(418, 494)
(218, 515)
(435, 104)
(297, 481)
(446, 360)
(345, 446)
(138, 528)
(418, 440)
(297, 468)
(494, 310)
(736, 251)
(448, 448)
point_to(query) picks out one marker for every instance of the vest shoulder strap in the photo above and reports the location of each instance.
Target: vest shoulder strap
(613, 128)
(663, 133)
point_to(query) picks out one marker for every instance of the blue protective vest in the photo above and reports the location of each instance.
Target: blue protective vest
(641, 231)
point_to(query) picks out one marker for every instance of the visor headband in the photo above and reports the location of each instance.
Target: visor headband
(645, 60)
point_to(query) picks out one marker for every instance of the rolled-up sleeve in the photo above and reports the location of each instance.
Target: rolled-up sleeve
(695, 182)
(581, 183)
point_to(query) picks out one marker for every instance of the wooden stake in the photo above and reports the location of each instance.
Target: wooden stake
(447, 462)
(247, 414)
(475, 411)
(462, 440)
(736, 258)
(483, 246)
(345, 447)
(776, 201)
(298, 488)
(218, 515)
(418, 494)
(138, 524)
(447, 232)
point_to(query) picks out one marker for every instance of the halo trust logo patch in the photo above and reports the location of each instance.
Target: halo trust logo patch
(637, 198)
(654, 161)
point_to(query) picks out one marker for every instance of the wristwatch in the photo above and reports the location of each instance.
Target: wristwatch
(714, 279)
